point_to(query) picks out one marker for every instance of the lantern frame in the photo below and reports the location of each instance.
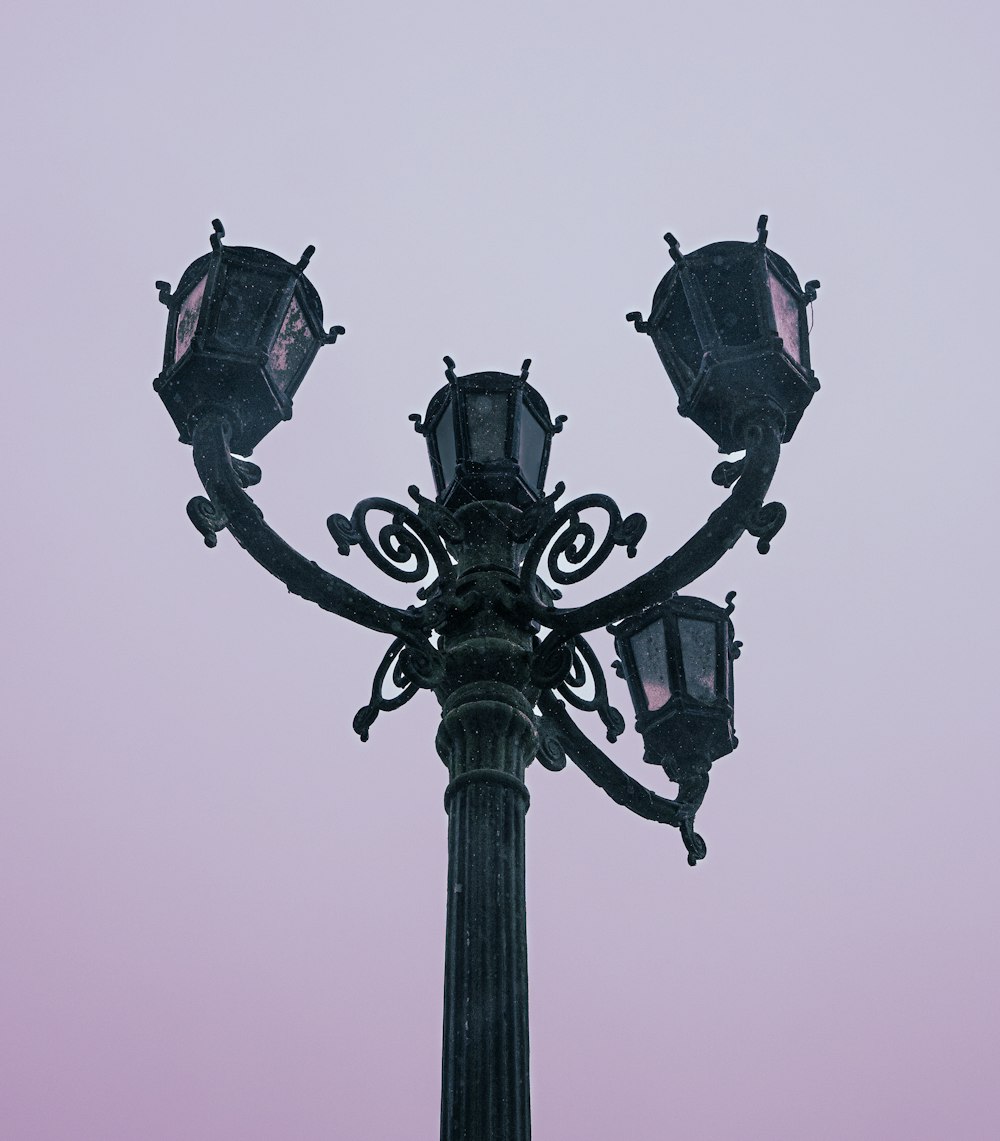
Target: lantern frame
(228, 361)
(461, 479)
(721, 384)
(686, 731)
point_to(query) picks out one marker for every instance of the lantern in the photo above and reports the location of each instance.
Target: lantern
(243, 328)
(729, 322)
(677, 659)
(488, 437)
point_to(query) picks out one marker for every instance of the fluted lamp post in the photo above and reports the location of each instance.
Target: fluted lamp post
(729, 323)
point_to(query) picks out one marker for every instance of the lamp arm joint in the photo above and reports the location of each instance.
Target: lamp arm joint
(560, 736)
(743, 511)
(229, 507)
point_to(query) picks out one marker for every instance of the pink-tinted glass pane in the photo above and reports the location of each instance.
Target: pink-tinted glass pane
(291, 347)
(187, 319)
(699, 654)
(649, 649)
(786, 316)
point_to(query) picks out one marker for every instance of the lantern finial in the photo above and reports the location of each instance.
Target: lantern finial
(762, 230)
(218, 233)
(675, 251)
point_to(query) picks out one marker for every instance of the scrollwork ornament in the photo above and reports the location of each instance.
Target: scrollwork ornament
(697, 849)
(406, 544)
(552, 661)
(536, 516)
(585, 667)
(766, 523)
(728, 472)
(551, 754)
(409, 667)
(574, 552)
(208, 519)
(248, 474)
(438, 518)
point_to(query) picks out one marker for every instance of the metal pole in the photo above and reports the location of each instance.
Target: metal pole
(487, 736)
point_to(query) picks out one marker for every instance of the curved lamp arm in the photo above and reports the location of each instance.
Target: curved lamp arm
(229, 506)
(622, 788)
(742, 511)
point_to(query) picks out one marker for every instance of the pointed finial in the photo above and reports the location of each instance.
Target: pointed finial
(762, 230)
(303, 261)
(675, 252)
(218, 233)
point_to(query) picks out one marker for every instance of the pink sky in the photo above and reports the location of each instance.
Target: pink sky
(224, 914)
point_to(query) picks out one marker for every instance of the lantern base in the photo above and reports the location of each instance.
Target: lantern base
(501, 483)
(234, 385)
(684, 740)
(729, 386)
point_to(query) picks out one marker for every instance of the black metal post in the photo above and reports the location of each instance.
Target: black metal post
(487, 737)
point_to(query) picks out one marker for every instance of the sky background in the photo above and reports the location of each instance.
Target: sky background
(223, 914)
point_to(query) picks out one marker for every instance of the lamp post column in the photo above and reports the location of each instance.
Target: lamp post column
(487, 737)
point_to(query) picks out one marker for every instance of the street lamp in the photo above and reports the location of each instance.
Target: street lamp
(729, 323)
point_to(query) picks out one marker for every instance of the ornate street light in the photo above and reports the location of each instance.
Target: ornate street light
(244, 327)
(729, 323)
(488, 436)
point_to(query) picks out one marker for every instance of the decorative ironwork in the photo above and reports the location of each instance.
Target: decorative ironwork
(573, 551)
(207, 519)
(766, 523)
(584, 669)
(473, 554)
(551, 753)
(749, 479)
(405, 547)
(560, 733)
(409, 667)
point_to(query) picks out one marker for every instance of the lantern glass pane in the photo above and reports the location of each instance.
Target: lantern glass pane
(699, 655)
(531, 447)
(444, 437)
(291, 347)
(678, 324)
(187, 319)
(786, 316)
(649, 649)
(729, 290)
(487, 424)
(247, 298)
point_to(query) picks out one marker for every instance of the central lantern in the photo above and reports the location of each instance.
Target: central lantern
(488, 435)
